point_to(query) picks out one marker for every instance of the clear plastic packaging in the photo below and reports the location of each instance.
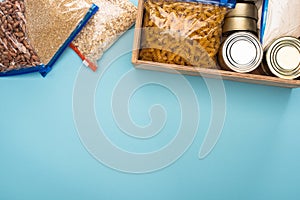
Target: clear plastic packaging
(279, 19)
(16, 51)
(52, 25)
(34, 34)
(109, 23)
(183, 32)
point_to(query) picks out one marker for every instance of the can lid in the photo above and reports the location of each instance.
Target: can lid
(242, 52)
(283, 57)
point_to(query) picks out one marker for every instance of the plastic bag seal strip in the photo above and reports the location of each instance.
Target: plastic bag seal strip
(225, 3)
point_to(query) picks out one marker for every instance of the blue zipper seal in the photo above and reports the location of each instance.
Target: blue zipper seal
(225, 3)
(264, 18)
(22, 71)
(44, 71)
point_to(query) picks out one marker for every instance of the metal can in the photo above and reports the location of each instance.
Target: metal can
(240, 52)
(233, 24)
(244, 10)
(282, 58)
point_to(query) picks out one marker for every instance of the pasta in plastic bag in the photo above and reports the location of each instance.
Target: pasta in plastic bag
(183, 32)
(109, 23)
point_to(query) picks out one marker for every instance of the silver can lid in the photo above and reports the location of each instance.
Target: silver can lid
(283, 57)
(242, 52)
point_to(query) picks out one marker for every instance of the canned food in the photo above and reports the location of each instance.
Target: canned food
(283, 58)
(240, 52)
(244, 10)
(233, 24)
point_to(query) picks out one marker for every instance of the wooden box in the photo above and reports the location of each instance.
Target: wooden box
(209, 73)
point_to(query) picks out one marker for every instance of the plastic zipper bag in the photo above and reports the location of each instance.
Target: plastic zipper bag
(183, 32)
(52, 26)
(16, 52)
(113, 19)
(34, 34)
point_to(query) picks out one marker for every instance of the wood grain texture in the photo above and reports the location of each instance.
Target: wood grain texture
(193, 71)
(138, 32)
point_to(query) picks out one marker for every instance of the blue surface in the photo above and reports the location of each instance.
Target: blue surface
(42, 156)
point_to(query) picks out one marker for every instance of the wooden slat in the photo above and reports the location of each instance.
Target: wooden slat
(137, 32)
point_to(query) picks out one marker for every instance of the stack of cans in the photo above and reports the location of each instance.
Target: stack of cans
(241, 50)
(243, 18)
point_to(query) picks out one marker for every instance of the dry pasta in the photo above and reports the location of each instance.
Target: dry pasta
(183, 33)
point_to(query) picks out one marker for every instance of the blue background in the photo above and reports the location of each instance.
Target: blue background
(42, 157)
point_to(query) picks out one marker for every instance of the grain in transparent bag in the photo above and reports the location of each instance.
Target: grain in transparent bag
(183, 32)
(53, 25)
(113, 19)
